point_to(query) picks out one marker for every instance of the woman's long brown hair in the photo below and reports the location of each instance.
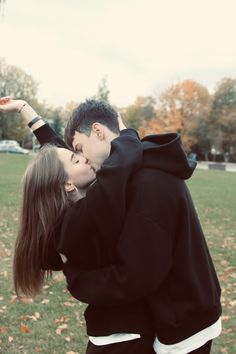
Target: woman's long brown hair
(44, 201)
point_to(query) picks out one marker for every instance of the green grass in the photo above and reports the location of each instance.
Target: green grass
(214, 193)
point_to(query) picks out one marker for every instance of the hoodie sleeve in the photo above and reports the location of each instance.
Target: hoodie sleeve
(104, 206)
(46, 135)
(144, 256)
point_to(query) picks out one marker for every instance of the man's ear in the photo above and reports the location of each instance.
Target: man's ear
(69, 186)
(98, 130)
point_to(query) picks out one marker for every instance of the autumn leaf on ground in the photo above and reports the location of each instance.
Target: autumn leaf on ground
(62, 319)
(78, 318)
(10, 339)
(69, 304)
(3, 330)
(61, 328)
(34, 317)
(37, 315)
(24, 328)
(232, 303)
(72, 352)
(45, 301)
(225, 318)
(72, 298)
(14, 299)
(46, 286)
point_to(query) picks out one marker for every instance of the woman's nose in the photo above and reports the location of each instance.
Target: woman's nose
(82, 158)
(85, 160)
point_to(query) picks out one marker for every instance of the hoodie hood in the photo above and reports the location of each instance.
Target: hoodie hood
(165, 152)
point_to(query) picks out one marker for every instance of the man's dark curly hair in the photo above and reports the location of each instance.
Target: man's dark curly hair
(86, 114)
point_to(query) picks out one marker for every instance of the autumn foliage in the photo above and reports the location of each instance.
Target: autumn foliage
(202, 119)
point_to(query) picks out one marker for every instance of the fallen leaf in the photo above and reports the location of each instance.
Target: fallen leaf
(28, 317)
(3, 330)
(225, 318)
(68, 304)
(71, 298)
(37, 315)
(24, 328)
(10, 339)
(37, 349)
(46, 286)
(45, 301)
(8, 253)
(62, 319)
(78, 318)
(61, 328)
(14, 298)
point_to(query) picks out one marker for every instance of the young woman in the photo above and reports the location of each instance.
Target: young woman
(53, 181)
(58, 179)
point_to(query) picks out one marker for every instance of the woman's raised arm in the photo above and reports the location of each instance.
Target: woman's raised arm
(43, 132)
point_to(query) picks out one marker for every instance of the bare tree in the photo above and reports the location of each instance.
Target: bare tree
(2, 4)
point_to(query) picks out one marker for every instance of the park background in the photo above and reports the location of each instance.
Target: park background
(166, 66)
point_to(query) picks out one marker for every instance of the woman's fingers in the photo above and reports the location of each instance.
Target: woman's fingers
(4, 100)
(7, 104)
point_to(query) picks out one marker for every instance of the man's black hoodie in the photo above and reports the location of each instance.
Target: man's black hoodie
(161, 265)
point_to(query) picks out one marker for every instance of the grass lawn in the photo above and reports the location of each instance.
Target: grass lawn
(53, 322)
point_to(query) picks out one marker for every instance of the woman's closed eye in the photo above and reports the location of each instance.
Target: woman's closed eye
(74, 158)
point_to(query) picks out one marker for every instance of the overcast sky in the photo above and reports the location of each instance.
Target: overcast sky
(141, 46)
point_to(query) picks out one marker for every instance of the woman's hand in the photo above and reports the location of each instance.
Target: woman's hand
(27, 113)
(7, 104)
(121, 123)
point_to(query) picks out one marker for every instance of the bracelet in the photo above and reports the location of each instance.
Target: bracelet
(33, 121)
(22, 107)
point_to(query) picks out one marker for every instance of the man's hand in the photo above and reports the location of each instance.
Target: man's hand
(121, 124)
(7, 104)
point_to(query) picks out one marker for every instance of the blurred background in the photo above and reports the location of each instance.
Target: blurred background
(166, 65)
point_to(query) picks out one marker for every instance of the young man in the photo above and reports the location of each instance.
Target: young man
(161, 257)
